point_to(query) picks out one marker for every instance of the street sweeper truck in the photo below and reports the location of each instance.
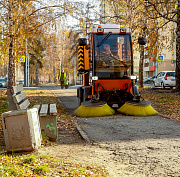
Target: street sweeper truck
(105, 63)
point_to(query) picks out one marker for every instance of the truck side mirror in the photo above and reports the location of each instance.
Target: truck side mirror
(142, 40)
(82, 41)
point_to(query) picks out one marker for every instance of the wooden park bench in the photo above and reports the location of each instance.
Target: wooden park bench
(47, 112)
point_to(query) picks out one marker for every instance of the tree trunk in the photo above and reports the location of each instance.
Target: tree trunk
(49, 78)
(178, 48)
(141, 63)
(37, 73)
(11, 67)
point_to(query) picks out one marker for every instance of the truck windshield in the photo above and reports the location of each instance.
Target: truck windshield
(113, 57)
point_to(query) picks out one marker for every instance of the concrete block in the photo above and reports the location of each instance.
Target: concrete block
(21, 130)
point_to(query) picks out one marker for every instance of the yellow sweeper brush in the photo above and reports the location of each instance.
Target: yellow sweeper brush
(89, 109)
(141, 108)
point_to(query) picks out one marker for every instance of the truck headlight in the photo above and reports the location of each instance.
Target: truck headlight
(95, 78)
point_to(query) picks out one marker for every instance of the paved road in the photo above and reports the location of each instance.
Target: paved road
(68, 98)
(142, 146)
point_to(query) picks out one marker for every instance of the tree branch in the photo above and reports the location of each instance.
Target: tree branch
(160, 14)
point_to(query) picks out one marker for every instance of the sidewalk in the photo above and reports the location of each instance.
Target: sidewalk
(137, 143)
(50, 87)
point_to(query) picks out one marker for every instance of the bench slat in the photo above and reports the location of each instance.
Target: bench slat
(37, 106)
(44, 110)
(17, 88)
(24, 104)
(53, 109)
(20, 97)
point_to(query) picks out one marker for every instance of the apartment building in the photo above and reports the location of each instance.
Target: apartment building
(165, 57)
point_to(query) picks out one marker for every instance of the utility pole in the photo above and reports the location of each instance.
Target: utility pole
(104, 12)
(62, 63)
(26, 66)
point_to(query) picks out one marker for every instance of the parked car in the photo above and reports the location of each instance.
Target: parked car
(137, 80)
(165, 79)
(3, 82)
(21, 81)
(149, 80)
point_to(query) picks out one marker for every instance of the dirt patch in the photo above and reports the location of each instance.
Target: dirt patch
(71, 146)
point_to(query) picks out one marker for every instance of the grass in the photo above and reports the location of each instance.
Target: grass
(3, 101)
(31, 165)
(165, 102)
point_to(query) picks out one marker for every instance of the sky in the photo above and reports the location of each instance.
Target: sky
(71, 21)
